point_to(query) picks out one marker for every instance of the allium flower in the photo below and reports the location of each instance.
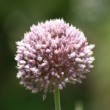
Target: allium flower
(52, 54)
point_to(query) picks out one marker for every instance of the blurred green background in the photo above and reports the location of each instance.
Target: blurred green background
(91, 16)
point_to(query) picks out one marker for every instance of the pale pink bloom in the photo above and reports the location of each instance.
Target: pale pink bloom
(52, 54)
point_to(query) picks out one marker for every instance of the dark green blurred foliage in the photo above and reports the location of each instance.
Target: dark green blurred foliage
(91, 16)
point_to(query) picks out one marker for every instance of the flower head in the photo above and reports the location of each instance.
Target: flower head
(53, 54)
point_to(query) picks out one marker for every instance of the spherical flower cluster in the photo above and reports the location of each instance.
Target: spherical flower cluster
(51, 55)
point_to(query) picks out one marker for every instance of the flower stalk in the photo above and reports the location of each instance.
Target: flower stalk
(57, 99)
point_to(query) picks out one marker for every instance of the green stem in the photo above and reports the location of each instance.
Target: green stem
(57, 99)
